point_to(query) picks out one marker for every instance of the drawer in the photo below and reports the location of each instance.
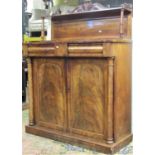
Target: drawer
(88, 49)
(46, 49)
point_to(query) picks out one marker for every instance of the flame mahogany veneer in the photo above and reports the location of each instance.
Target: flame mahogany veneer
(80, 81)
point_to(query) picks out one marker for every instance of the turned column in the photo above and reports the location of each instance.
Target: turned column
(43, 29)
(30, 90)
(110, 106)
(122, 23)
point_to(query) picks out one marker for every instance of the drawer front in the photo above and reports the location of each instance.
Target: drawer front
(83, 49)
(50, 49)
(89, 50)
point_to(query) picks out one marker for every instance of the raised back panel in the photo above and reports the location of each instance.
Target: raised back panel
(97, 28)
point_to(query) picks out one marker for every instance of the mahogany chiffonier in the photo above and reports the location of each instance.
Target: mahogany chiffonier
(80, 81)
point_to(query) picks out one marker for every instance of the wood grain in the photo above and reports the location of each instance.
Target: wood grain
(87, 97)
(51, 92)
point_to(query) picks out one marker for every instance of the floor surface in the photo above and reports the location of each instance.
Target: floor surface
(35, 145)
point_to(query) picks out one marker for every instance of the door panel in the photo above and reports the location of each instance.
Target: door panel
(51, 93)
(87, 107)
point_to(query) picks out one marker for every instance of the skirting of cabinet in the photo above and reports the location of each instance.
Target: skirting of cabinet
(78, 140)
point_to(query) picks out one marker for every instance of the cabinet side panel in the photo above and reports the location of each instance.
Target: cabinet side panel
(122, 90)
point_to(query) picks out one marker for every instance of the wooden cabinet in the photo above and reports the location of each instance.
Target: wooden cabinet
(80, 82)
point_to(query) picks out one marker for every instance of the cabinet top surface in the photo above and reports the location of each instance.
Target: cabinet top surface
(52, 43)
(109, 12)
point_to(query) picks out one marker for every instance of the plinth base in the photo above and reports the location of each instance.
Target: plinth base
(78, 140)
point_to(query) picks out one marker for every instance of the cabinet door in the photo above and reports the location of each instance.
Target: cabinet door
(87, 97)
(50, 96)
